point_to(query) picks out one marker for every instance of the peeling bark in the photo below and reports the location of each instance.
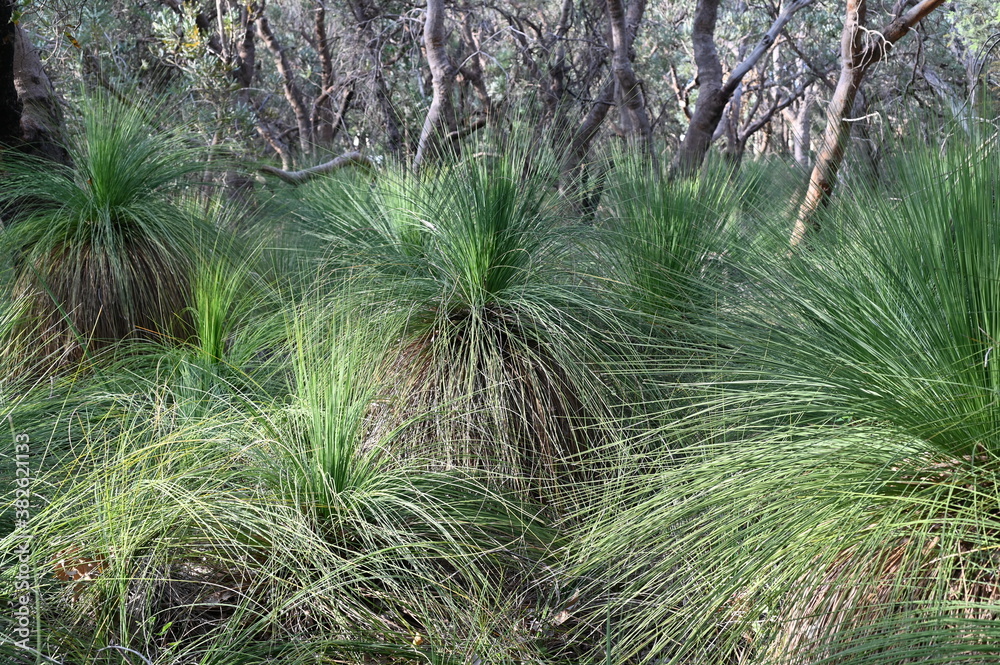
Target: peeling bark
(860, 48)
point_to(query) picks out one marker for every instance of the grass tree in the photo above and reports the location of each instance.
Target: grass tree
(666, 235)
(256, 529)
(840, 506)
(103, 250)
(498, 334)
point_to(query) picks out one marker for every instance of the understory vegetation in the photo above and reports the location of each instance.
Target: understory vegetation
(474, 415)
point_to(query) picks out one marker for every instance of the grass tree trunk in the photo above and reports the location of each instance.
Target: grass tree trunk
(442, 111)
(713, 94)
(860, 48)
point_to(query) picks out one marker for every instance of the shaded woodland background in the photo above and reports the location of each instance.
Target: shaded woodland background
(297, 83)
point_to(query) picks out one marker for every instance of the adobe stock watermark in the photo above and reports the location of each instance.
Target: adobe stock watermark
(23, 598)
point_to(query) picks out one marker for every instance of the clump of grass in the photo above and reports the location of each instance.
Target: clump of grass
(189, 534)
(669, 238)
(103, 250)
(414, 545)
(500, 338)
(840, 496)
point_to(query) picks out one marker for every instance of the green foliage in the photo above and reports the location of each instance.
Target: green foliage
(103, 250)
(667, 233)
(433, 418)
(495, 358)
(838, 498)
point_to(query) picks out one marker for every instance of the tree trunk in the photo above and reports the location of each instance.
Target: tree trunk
(323, 110)
(41, 123)
(711, 102)
(802, 130)
(441, 111)
(10, 106)
(579, 144)
(246, 51)
(713, 95)
(857, 54)
(628, 94)
(292, 92)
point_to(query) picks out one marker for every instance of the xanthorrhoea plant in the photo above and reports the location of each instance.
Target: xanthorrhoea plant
(412, 548)
(103, 251)
(499, 332)
(867, 519)
(669, 238)
(190, 534)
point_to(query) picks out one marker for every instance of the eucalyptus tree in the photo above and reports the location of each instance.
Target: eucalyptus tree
(714, 94)
(860, 49)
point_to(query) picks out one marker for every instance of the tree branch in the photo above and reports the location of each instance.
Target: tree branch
(305, 175)
(765, 43)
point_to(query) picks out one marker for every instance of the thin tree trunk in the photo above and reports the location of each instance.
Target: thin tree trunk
(713, 95)
(588, 129)
(857, 55)
(554, 85)
(223, 38)
(628, 93)
(802, 130)
(441, 111)
(292, 92)
(246, 51)
(323, 114)
(473, 71)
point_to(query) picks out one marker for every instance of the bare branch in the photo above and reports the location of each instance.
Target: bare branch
(765, 43)
(300, 177)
